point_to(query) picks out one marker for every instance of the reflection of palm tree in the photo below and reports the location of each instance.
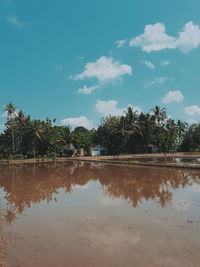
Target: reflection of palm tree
(10, 216)
(45, 180)
(2, 245)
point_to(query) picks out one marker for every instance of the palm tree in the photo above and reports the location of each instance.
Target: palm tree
(147, 123)
(36, 129)
(159, 114)
(128, 126)
(10, 110)
(170, 131)
(21, 124)
(181, 130)
(131, 115)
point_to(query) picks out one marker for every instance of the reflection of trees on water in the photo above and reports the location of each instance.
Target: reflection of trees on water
(2, 242)
(32, 183)
(137, 184)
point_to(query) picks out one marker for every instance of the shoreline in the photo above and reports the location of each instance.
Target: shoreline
(116, 160)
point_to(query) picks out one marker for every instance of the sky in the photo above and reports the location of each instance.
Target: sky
(80, 60)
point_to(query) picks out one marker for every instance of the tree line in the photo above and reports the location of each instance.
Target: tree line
(24, 137)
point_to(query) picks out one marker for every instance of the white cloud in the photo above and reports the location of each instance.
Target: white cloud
(120, 43)
(82, 187)
(192, 110)
(58, 67)
(195, 187)
(87, 90)
(149, 64)
(13, 20)
(157, 80)
(189, 38)
(165, 62)
(75, 122)
(155, 38)
(107, 201)
(110, 108)
(172, 96)
(181, 204)
(104, 69)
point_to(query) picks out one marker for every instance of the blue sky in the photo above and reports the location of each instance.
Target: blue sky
(77, 61)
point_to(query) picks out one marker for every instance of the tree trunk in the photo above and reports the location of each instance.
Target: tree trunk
(13, 138)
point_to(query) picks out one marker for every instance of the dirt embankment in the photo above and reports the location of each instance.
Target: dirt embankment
(121, 159)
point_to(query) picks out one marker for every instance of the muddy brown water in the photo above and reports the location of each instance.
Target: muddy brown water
(94, 214)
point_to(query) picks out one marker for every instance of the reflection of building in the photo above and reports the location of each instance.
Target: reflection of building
(97, 150)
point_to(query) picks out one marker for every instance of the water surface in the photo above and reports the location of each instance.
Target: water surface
(93, 214)
(163, 159)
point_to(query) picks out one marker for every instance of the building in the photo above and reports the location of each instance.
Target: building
(97, 150)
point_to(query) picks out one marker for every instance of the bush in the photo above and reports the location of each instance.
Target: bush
(11, 157)
(51, 155)
(18, 156)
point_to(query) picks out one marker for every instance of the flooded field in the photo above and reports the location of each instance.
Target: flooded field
(93, 214)
(163, 159)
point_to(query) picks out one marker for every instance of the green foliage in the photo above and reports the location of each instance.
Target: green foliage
(138, 133)
(82, 138)
(191, 140)
(24, 137)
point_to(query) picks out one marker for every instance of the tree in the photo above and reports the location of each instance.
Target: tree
(182, 128)
(108, 136)
(10, 110)
(36, 133)
(129, 133)
(147, 137)
(82, 138)
(159, 115)
(191, 140)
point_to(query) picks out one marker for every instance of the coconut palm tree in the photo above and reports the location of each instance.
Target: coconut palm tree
(182, 128)
(128, 126)
(21, 124)
(159, 114)
(10, 110)
(36, 131)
